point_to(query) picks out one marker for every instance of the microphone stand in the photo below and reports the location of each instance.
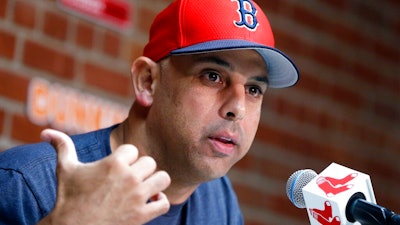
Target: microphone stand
(367, 213)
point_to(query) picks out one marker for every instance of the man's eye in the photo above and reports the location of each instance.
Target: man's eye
(255, 91)
(214, 77)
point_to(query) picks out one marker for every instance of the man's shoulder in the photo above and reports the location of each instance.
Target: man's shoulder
(90, 146)
(24, 156)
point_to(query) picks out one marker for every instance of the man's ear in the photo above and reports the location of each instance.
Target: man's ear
(145, 75)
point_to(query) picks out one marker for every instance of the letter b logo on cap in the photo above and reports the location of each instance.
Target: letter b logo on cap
(247, 12)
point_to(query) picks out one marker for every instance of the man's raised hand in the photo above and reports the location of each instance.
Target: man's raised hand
(114, 190)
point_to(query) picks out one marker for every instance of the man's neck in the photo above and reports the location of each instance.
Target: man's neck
(178, 195)
(177, 192)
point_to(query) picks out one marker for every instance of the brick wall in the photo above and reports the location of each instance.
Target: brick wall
(344, 109)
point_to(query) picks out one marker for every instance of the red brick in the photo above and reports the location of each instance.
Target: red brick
(296, 143)
(388, 111)
(281, 106)
(362, 72)
(25, 14)
(289, 43)
(369, 13)
(277, 203)
(347, 96)
(145, 18)
(360, 132)
(308, 17)
(347, 33)
(394, 4)
(271, 6)
(250, 196)
(251, 163)
(387, 198)
(7, 46)
(328, 150)
(396, 28)
(44, 58)
(342, 5)
(55, 26)
(327, 57)
(84, 35)
(329, 122)
(107, 79)
(2, 115)
(13, 86)
(3, 7)
(392, 84)
(136, 50)
(340, 94)
(395, 86)
(369, 74)
(381, 169)
(304, 114)
(387, 52)
(249, 221)
(111, 44)
(312, 84)
(25, 131)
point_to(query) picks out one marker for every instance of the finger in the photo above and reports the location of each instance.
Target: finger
(126, 153)
(158, 206)
(144, 167)
(63, 145)
(157, 182)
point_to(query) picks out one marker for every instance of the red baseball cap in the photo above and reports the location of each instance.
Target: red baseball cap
(200, 26)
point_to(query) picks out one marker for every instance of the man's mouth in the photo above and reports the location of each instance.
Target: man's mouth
(224, 140)
(223, 145)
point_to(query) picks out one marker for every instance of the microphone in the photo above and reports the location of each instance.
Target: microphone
(338, 196)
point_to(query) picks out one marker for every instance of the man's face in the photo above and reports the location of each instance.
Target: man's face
(205, 112)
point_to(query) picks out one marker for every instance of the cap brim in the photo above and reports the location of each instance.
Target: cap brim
(282, 72)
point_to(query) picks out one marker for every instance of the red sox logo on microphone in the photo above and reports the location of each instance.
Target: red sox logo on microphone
(324, 216)
(331, 186)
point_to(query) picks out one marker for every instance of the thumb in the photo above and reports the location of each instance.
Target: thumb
(64, 147)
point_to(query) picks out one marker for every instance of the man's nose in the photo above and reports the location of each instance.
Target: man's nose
(233, 107)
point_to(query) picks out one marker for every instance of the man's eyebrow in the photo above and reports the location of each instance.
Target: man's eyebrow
(214, 59)
(262, 78)
(221, 62)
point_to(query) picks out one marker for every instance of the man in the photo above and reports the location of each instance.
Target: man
(198, 92)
